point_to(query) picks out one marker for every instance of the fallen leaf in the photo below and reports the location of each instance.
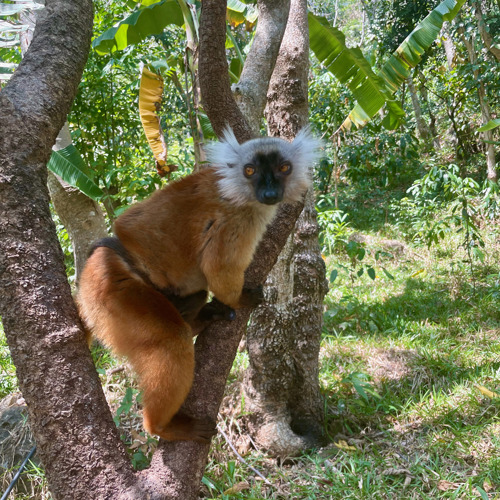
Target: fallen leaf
(236, 488)
(486, 392)
(396, 472)
(244, 445)
(447, 485)
(342, 445)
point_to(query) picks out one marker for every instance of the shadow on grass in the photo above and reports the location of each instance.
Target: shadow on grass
(418, 345)
(425, 310)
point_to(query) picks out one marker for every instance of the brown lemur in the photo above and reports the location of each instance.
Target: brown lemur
(144, 292)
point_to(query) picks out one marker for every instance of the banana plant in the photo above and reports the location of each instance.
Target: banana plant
(151, 19)
(374, 90)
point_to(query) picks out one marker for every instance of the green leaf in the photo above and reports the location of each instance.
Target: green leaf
(398, 68)
(147, 21)
(11, 9)
(349, 66)
(483, 493)
(206, 126)
(371, 273)
(389, 275)
(239, 12)
(333, 275)
(69, 165)
(490, 125)
(209, 484)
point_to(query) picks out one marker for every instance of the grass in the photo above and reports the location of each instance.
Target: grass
(406, 366)
(407, 360)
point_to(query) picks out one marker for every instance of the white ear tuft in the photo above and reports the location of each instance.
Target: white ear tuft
(224, 153)
(306, 147)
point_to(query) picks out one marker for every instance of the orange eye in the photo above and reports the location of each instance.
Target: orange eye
(249, 170)
(285, 168)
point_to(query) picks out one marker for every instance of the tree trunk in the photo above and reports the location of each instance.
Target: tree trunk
(422, 128)
(284, 335)
(485, 111)
(485, 35)
(216, 95)
(251, 91)
(76, 438)
(81, 216)
(449, 46)
(432, 116)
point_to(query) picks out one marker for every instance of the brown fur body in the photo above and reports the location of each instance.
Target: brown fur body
(192, 239)
(144, 294)
(189, 240)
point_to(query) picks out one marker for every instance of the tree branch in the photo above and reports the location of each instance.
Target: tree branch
(251, 90)
(216, 95)
(217, 345)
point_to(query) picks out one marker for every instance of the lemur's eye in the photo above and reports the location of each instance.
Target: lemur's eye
(285, 168)
(249, 170)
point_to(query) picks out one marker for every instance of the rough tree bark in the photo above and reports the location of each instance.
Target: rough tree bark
(77, 444)
(215, 86)
(283, 338)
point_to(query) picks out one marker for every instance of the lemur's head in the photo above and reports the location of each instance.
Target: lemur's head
(268, 170)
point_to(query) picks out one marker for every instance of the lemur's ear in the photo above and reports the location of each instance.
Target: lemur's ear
(225, 152)
(306, 149)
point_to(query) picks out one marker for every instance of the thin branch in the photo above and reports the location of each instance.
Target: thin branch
(240, 458)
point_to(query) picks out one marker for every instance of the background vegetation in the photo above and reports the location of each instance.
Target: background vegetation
(410, 233)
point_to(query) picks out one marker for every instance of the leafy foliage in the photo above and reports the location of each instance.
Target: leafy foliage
(146, 21)
(443, 189)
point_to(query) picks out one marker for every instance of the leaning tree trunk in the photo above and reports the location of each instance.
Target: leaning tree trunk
(81, 216)
(485, 110)
(76, 439)
(423, 130)
(449, 46)
(283, 337)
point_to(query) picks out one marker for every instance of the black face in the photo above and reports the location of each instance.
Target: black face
(268, 173)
